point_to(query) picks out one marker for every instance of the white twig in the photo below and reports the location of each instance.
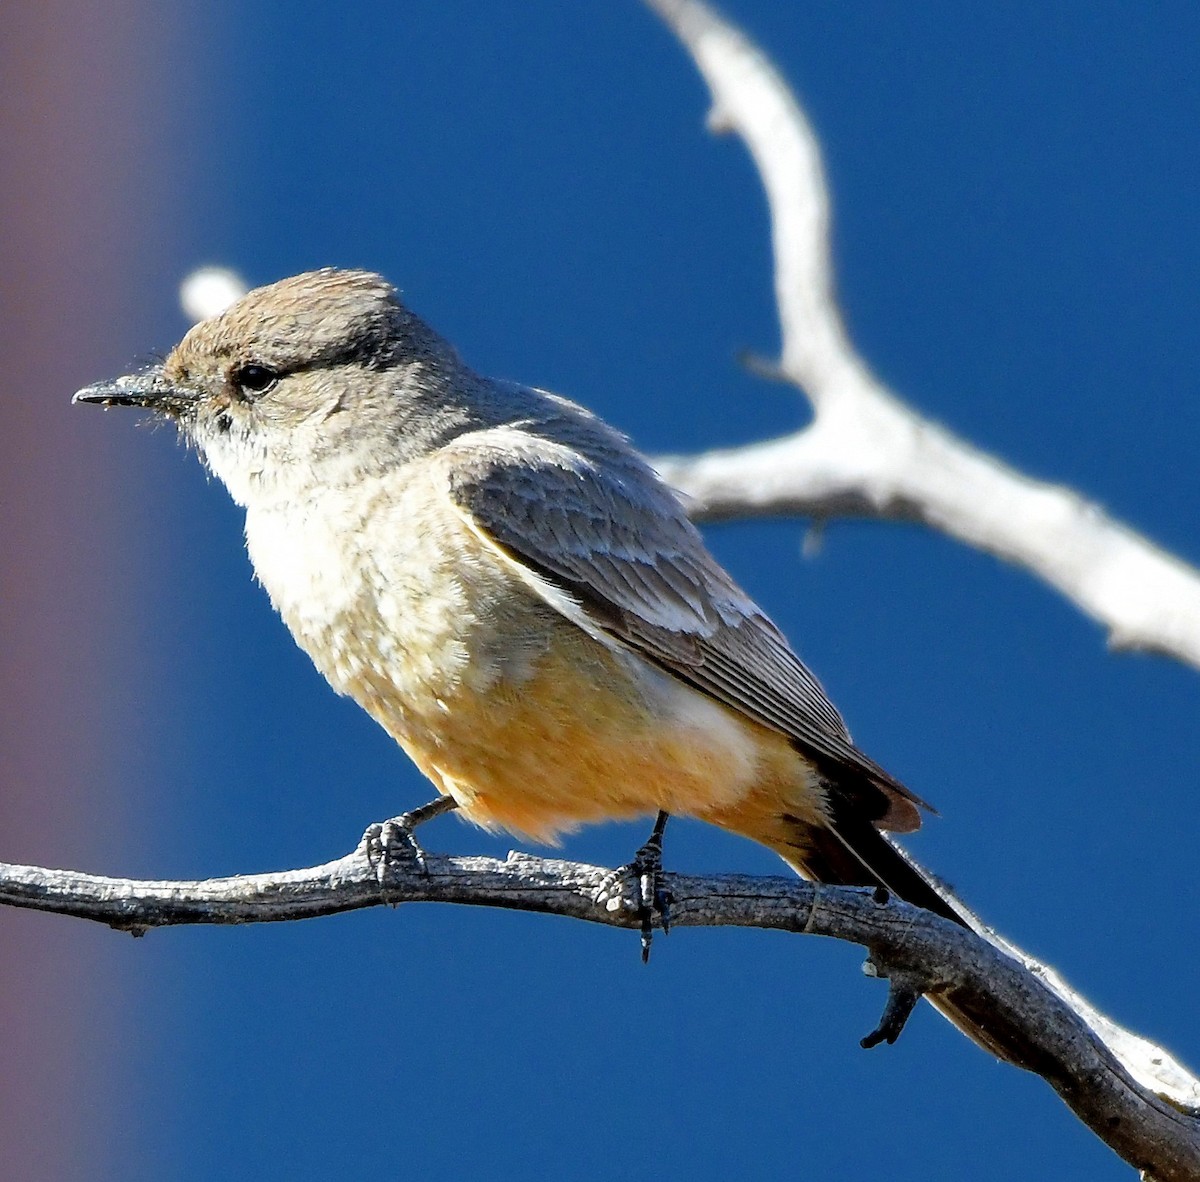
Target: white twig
(1153, 1126)
(208, 291)
(866, 453)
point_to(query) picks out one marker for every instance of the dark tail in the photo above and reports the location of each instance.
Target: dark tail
(852, 852)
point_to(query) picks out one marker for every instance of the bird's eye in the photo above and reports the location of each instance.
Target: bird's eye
(255, 379)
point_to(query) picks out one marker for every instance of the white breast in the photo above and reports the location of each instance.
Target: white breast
(309, 560)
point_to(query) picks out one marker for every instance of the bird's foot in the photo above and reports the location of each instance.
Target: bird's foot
(394, 842)
(641, 886)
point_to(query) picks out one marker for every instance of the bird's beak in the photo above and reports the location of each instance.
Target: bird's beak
(149, 388)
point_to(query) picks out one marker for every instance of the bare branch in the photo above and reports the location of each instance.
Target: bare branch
(1029, 1020)
(869, 455)
(866, 454)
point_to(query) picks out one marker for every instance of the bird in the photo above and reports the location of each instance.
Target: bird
(509, 589)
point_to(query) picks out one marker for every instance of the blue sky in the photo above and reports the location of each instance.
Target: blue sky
(1017, 250)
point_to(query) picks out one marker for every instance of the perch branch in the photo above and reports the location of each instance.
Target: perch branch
(1147, 1110)
(866, 453)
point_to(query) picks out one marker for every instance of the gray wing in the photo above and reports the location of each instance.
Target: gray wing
(590, 516)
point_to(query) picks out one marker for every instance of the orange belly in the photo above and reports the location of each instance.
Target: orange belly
(593, 735)
(530, 723)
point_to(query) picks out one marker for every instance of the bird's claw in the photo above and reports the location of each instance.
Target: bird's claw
(394, 842)
(641, 886)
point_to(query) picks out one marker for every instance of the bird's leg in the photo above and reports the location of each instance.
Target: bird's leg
(395, 840)
(651, 887)
(645, 875)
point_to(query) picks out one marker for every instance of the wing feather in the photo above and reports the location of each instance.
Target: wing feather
(584, 512)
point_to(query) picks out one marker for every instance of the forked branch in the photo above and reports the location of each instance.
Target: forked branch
(866, 453)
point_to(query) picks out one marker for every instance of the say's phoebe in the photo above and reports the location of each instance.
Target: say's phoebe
(507, 587)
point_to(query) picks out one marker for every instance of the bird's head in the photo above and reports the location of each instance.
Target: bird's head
(309, 382)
